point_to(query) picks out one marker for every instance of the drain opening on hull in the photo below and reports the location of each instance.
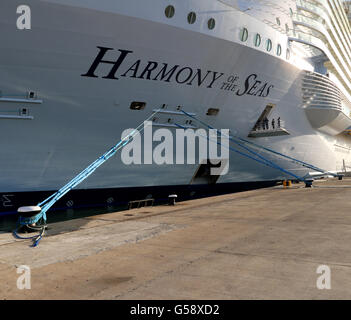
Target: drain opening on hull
(203, 173)
(137, 105)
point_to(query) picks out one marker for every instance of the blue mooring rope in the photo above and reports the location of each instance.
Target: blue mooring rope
(305, 164)
(265, 161)
(50, 201)
(27, 222)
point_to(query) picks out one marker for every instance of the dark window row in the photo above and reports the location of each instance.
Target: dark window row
(244, 35)
(170, 12)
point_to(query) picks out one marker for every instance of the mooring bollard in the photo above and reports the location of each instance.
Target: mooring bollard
(28, 212)
(172, 199)
(308, 183)
(287, 183)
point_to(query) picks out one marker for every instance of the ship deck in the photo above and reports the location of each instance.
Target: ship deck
(263, 244)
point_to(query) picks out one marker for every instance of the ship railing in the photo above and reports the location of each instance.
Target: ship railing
(308, 39)
(314, 7)
(297, 17)
(319, 91)
(329, 47)
(136, 204)
(278, 125)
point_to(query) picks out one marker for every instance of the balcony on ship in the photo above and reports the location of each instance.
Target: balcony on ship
(267, 125)
(319, 31)
(327, 109)
(269, 130)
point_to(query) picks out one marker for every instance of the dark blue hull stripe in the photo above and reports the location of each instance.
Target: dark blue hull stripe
(120, 197)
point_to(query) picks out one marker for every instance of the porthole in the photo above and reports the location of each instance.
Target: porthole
(244, 34)
(279, 50)
(269, 45)
(170, 11)
(192, 17)
(211, 23)
(258, 40)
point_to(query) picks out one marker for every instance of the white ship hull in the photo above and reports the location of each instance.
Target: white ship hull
(75, 118)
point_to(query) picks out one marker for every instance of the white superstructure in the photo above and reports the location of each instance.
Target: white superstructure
(70, 84)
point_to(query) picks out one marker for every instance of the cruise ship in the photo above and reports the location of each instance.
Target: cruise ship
(74, 74)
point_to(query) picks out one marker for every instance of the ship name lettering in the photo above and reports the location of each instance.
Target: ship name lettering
(98, 60)
(254, 87)
(151, 70)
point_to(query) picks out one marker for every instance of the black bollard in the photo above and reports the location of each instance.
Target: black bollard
(308, 183)
(29, 211)
(172, 199)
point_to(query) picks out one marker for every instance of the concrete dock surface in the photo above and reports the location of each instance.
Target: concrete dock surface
(262, 244)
